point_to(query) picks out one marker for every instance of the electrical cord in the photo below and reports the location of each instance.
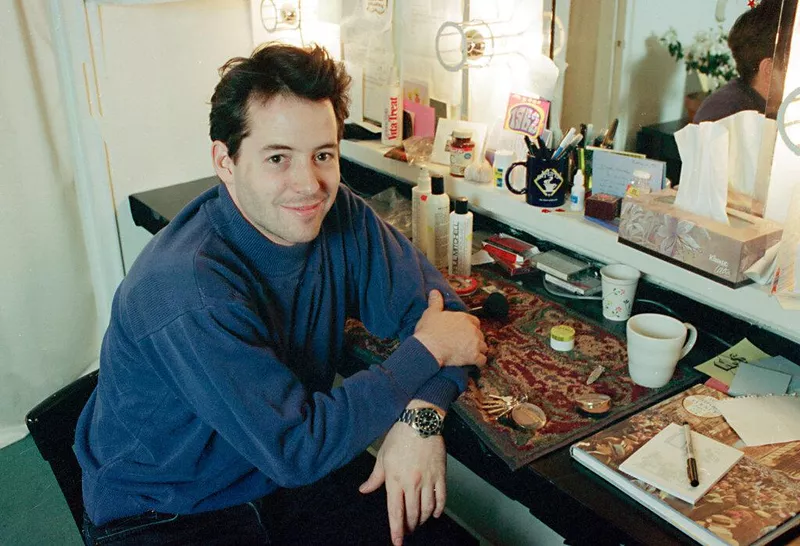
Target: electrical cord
(555, 290)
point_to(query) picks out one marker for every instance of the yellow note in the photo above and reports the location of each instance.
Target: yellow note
(723, 366)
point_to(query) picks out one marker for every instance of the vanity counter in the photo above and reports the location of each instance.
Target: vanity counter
(750, 303)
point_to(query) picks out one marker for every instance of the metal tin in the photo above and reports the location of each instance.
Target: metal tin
(528, 416)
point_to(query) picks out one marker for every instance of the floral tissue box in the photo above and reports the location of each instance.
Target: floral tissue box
(653, 224)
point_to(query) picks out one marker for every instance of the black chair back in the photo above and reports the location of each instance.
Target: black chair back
(52, 425)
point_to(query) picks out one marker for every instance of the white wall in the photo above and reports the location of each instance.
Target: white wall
(621, 36)
(652, 84)
(156, 69)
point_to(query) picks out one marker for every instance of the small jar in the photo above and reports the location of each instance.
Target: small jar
(462, 152)
(562, 337)
(640, 185)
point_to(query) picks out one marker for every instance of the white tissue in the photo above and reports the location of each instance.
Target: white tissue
(763, 270)
(703, 187)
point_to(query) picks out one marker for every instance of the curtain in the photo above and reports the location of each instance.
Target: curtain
(49, 332)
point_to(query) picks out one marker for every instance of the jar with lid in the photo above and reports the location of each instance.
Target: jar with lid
(462, 151)
(639, 185)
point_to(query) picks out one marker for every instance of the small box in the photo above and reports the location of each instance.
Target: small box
(653, 224)
(560, 265)
(603, 206)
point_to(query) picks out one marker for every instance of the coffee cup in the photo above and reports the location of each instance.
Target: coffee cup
(619, 282)
(655, 345)
(544, 181)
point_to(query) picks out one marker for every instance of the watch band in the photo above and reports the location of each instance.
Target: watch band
(425, 421)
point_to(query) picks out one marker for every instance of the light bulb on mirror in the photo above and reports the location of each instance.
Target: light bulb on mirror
(280, 16)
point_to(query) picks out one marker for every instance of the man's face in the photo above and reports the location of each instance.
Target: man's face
(286, 176)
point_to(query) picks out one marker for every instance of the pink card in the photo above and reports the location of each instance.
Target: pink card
(424, 118)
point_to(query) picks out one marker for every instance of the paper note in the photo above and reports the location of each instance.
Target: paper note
(356, 92)
(661, 462)
(723, 367)
(762, 420)
(784, 365)
(612, 171)
(751, 380)
(424, 118)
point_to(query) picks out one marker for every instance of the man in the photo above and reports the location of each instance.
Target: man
(752, 43)
(215, 393)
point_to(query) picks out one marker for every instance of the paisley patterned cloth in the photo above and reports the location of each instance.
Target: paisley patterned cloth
(522, 363)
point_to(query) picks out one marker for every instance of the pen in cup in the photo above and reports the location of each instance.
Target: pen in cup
(691, 462)
(564, 142)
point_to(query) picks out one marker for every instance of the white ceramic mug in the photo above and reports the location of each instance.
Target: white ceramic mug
(619, 282)
(655, 345)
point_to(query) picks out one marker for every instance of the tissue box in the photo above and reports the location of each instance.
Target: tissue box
(653, 224)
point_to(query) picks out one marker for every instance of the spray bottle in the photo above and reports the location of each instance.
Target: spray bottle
(419, 196)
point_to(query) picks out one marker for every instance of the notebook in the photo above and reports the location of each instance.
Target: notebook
(757, 500)
(661, 462)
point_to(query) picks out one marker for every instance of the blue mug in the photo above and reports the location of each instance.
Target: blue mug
(544, 181)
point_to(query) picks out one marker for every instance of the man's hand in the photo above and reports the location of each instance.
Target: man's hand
(454, 338)
(414, 469)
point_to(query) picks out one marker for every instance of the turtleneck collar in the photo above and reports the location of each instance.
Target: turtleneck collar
(237, 231)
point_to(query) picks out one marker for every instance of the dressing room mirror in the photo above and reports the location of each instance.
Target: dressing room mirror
(618, 66)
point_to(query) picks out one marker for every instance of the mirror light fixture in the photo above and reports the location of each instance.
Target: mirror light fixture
(285, 16)
(474, 43)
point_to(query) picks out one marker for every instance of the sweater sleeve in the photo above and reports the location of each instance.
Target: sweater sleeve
(220, 362)
(391, 282)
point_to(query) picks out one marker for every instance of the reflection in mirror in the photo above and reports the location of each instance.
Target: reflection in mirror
(620, 66)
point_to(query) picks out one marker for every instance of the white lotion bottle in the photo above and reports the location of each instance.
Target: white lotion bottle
(392, 128)
(578, 196)
(419, 196)
(437, 209)
(460, 244)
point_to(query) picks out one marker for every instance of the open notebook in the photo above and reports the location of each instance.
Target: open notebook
(661, 462)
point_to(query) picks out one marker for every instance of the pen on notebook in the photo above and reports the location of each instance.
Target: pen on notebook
(691, 462)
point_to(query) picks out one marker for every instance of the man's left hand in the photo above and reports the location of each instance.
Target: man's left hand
(415, 470)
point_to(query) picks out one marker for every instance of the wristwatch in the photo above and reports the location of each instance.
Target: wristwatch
(426, 421)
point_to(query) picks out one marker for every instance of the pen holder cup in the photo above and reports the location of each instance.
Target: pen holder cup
(544, 181)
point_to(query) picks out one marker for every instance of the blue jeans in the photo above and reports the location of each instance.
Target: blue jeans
(330, 512)
(240, 525)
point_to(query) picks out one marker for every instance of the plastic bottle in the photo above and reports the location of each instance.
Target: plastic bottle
(460, 243)
(502, 161)
(578, 195)
(462, 152)
(392, 128)
(640, 185)
(437, 209)
(419, 197)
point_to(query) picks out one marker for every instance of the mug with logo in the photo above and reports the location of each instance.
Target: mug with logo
(655, 345)
(544, 181)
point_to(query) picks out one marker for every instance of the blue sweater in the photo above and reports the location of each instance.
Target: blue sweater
(217, 365)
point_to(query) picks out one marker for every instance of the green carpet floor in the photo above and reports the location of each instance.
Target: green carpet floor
(32, 510)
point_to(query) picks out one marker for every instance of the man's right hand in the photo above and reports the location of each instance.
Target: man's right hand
(454, 338)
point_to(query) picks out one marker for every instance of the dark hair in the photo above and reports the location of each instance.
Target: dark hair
(274, 69)
(752, 37)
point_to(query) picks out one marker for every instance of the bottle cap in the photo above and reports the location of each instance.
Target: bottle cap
(462, 133)
(462, 205)
(437, 184)
(424, 180)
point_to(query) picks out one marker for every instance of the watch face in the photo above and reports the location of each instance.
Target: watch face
(428, 421)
